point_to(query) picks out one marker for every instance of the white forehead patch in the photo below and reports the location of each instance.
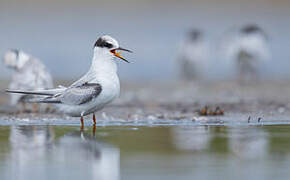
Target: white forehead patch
(110, 40)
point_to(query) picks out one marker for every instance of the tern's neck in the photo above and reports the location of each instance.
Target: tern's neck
(103, 62)
(22, 59)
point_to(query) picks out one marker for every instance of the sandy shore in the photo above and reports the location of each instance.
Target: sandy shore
(178, 103)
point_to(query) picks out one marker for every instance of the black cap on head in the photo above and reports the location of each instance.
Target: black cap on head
(103, 43)
(195, 34)
(252, 28)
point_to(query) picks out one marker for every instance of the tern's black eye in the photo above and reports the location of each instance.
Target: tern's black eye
(102, 43)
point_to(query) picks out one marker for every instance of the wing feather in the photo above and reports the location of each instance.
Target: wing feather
(75, 95)
(80, 94)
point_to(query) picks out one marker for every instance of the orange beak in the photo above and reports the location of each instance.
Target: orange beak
(117, 54)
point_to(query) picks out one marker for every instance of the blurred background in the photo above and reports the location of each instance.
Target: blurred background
(62, 33)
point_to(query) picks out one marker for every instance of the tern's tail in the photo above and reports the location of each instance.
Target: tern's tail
(50, 96)
(49, 92)
(29, 92)
(42, 100)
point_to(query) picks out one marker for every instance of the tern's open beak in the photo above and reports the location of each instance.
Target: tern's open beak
(117, 54)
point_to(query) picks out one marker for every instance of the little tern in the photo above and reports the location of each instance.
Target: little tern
(98, 87)
(247, 47)
(193, 55)
(29, 74)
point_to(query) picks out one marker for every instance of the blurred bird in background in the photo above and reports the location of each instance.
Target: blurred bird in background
(28, 74)
(193, 56)
(247, 47)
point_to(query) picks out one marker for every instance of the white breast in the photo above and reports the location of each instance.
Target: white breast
(104, 72)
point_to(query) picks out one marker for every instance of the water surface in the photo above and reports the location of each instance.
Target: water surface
(184, 152)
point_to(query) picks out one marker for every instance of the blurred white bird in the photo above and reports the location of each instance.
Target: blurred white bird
(29, 74)
(98, 87)
(247, 48)
(193, 55)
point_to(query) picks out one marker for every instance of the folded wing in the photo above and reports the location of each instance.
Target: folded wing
(71, 96)
(80, 94)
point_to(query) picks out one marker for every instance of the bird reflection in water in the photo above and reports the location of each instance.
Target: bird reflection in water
(194, 138)
(37, 154)
(30, 147)
(249, 143)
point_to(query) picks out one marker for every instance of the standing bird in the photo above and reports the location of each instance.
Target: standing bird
(98, 87)
(29, 74)
(193, 55)
(247, 48)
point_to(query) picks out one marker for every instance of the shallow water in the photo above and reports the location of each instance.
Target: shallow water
(110, 153)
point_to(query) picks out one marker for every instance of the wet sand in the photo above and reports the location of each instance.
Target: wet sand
(178, 103)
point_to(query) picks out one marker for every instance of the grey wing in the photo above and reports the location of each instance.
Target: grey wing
(80, 94)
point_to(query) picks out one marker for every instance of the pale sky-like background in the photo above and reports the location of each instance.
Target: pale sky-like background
(62, 33)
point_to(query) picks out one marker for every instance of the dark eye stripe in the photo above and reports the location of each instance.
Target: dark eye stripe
(102, 43)
(108, 45)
